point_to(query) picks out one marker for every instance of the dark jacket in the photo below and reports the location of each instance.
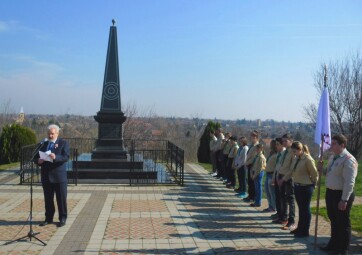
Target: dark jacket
(56, 171)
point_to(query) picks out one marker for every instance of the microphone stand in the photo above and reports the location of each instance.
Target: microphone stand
(31, 233)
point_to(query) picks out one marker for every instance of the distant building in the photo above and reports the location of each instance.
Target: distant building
(156, 133)
(21, 117)
(258, 123)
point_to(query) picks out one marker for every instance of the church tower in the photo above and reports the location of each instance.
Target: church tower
(21, 117)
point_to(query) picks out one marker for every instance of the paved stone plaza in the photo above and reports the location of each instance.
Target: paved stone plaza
(203, 217)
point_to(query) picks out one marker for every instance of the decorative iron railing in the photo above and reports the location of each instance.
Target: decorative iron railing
(163, 161)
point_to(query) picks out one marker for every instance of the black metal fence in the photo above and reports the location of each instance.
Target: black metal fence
(163, 161)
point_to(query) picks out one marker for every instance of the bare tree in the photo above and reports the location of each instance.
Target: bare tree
(345, 89)
(7, 115)
(137, 125)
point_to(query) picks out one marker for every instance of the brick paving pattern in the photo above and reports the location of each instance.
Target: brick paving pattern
(203, 217)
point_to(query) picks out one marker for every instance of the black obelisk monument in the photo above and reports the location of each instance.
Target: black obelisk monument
(109, 145)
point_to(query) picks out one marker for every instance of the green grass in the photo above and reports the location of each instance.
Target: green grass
(8, 166)
(356, 217)
(207, 166)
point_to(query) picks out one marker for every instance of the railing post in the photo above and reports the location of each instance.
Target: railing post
(21, 166)
(76, 167)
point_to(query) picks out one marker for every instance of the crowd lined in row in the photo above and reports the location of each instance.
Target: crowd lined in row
(291, 175)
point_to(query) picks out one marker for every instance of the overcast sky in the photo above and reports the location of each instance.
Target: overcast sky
(224, 59)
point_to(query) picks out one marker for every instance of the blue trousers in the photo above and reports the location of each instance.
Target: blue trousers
(258, 188)
(242, 177)
(270, 191)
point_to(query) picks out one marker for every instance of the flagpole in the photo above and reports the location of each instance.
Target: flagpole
(318, 194)
(320, 173)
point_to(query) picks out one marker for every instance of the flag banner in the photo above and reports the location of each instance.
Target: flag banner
(323, 127)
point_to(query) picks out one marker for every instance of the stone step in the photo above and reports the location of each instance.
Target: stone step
(106, 164)
(114, 174)
(114, 181)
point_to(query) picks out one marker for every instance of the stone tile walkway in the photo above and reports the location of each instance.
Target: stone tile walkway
(203, 217)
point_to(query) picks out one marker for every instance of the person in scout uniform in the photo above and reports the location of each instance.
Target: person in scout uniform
(226, 145)
(212, 146)
(254, 138)
(341, 174)
(269, 171)
(218, 153)
(305, 177)
(257, 173)
(277, 217)
(239, 165)
(285, 184)
(229, 167)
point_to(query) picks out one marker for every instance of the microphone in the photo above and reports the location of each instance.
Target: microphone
(43, 141)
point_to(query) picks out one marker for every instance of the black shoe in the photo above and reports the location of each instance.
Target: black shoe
(44, 223)
(344, 252)
(294, 231)
(247, 199)
(61, 223)
(300, 235)
(326, 248)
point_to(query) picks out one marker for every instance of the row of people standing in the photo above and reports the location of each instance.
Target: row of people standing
(233, 158)
(291, 175)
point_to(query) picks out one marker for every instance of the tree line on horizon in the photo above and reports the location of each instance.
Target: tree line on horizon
(345, 89)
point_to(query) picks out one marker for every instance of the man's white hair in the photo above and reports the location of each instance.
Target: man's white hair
(53, 126)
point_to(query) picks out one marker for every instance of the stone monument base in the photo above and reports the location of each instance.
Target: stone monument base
(112, 172)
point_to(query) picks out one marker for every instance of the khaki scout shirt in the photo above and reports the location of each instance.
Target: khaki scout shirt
(213, 141)
(251, 154)
(233, 150)
(278, 164)
(258, 165)
(341, 173)
(285, 166)
(227, 147)
(218, 144)
(271, 163)
(304, 170)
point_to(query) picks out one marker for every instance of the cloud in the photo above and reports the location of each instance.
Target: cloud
(4, 26)
(16, 27)
(41, 88)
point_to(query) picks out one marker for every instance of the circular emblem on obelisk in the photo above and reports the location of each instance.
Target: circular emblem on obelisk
(111, 91)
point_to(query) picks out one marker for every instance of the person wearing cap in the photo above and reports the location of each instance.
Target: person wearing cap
(341, 175)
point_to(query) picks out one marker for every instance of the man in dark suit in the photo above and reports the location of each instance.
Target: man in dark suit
(54, 175)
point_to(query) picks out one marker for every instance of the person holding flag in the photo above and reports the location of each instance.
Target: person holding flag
(341, 174)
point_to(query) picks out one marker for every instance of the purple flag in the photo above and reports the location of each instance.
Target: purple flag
(323, 127)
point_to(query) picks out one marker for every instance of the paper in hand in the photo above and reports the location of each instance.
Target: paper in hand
(45, 156)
